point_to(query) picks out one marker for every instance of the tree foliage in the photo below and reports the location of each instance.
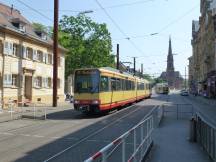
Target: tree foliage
(39, 27)
(159, 80)
(88, 43)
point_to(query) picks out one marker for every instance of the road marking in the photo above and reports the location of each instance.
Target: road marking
(72, 138)
(38, 136)
(96, 132)
(6, 133)
(26, 135)
(56, 137)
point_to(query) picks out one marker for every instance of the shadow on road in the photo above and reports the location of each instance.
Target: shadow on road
(82, 150)
(71, 114)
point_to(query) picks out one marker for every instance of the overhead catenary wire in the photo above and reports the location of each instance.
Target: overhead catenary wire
(178, 19)
(128, 4)
(165, 27)
(118, 27)
(36, 11)
(97, 9)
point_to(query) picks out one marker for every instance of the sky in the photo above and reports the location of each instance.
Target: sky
(131, 24)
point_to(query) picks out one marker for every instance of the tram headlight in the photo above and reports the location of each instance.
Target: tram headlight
(95, 102)
(76, 101)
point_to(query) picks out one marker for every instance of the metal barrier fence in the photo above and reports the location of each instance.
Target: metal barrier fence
(133, 145)
(27, 109)
(181, 110)
(34, 111)
(206, 135)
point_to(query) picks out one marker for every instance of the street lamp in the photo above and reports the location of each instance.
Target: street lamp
(141, 36)
(85, 12)
(152, 34)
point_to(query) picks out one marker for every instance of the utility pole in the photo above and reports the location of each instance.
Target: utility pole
(55, 53)
(134, 65)
(141, 68)
(117, 64)
(185, 77)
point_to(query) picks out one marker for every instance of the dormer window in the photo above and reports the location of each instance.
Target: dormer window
(42, 34)
(19, 24)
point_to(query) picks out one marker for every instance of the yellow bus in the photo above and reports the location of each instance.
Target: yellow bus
(104, 89)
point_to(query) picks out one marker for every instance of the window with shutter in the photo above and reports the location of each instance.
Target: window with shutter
(40, 56)
(15, 49)
(23, 51)
(35, 82)
(6, 48)
(10, 79)
(34, 54)
(44, 82)
(38, 82)
(49, 58)
(29, 53)
(44, 57)
(7, 80)
(49, 84)
(15, 80)
(10, 49)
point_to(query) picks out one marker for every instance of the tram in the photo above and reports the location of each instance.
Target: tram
(104, 89)
(162, 88)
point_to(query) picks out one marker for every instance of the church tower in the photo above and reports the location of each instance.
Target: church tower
(172, 77)
(170, 61)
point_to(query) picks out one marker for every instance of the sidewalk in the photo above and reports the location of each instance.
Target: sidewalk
(171, 143)
(16, 113)
(208, 101)
(207, 107)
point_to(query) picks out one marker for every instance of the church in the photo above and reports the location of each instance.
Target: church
(172, 77)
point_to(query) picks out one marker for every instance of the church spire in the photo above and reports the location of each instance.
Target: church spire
(170, 46)
(170, 61)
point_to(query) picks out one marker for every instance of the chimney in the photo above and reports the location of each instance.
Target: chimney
(12, 7)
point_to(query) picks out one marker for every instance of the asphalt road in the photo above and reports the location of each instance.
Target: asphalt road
(68, 135)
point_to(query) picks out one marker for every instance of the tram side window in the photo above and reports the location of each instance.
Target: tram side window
(147, 86)
(132, 85)
(113, 84)
(118, 84)
(142, 86)
(123, 84)
(104, 84)
(129, 85)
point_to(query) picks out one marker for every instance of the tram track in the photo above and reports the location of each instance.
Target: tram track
(58, 138)
(86, 138)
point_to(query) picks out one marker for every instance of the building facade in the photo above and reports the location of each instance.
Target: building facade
(203, 77)
(26, 60)
(172, 77)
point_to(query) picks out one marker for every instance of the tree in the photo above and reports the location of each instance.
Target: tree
(39, 27)
(147, 77)
(159, 80)
(88, 43)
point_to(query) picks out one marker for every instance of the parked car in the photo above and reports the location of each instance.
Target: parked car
(184, 93)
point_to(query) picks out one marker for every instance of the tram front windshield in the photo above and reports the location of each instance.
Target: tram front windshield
(86, 81)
